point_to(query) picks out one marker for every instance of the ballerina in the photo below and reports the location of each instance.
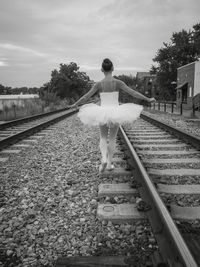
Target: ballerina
(109, 115)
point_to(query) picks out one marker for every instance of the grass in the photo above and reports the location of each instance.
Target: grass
(28, 108)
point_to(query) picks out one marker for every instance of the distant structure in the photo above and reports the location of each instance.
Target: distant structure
(146, 84)
(17, 100)
(188, 84)
(141, 75)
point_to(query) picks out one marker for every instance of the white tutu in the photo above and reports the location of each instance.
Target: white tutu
(109, 112)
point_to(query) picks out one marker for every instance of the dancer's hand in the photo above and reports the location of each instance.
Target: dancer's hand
(152, 100)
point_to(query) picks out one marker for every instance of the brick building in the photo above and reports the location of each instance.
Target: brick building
(188, 84)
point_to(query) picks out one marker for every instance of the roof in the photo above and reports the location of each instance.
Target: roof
(181, 85)
(143, 74)
(192, 63)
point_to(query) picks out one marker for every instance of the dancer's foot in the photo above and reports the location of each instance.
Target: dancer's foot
(102, 166)
(110, 168)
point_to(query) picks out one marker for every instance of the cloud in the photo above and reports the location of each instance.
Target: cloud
(36, 36)
(22, 49)
(2, 64)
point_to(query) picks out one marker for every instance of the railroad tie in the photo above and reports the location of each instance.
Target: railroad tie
(185, 213)
(149, 132)
(174, 172)
(21, 145)
(150, 137)
(168, 152)
(10, 151)
(119, 161)
(93, 261)
(145, 134)
(171, 161)
(157, 146)
(183, 189)
(116, 189)
(118, 152)
(2, 159)
(118, 213)
(30, 140)
(157, 141)
(37, 136)
(152, 130)
(40, 134)
(117, 172)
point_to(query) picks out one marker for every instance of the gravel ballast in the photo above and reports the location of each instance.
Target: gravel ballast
(188, 125)
(49, 202)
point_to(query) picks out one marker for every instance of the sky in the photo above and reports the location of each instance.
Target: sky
(37, 35)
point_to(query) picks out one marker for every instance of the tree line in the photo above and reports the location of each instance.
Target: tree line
(7, 90)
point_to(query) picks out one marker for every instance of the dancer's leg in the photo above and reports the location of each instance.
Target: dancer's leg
(112, 144)
(103, 142)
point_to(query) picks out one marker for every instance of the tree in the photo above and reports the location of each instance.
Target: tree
(153, 69)
(68, 81)
(183, 49)
(129, 81)
(196, 37)
(2, 88)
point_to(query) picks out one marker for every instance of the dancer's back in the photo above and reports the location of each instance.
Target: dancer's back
(109, 85)
(109, 98)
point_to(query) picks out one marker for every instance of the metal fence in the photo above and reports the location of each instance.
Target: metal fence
(171, 107)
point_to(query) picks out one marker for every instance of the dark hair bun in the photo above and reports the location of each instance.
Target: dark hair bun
(107, 64)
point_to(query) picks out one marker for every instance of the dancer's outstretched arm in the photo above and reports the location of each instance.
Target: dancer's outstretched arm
(134, 93)
(85, 97)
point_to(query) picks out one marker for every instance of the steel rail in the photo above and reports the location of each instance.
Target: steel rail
(29, 118)
(187, 137)
(171, 244)
(20, 135)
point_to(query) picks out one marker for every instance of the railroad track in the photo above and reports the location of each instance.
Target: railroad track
(147, 158)
(164, 166)
(14, 131)
(172, 162)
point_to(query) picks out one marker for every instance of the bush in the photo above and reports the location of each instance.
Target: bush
(32, 107)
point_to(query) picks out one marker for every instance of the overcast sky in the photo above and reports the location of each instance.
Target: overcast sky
(37, 35)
